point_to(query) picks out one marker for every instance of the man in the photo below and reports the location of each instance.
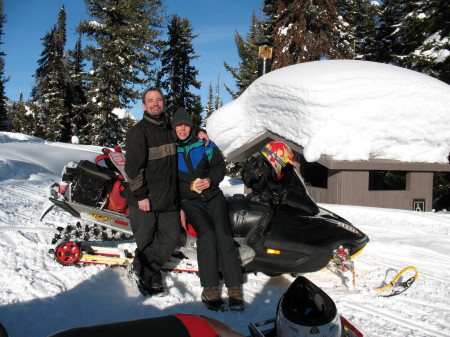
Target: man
(152, 191)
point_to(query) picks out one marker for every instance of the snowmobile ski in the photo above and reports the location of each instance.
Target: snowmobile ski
(393, 288)
(343, 265)
(396, 286)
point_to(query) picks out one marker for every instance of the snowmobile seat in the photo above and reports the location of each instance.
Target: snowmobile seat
(246, 214)
(91, 183)
(99, 173)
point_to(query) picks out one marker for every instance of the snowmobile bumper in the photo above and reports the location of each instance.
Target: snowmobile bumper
(63, 205)
(48, 208)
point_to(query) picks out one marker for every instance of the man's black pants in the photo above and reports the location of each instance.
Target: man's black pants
(156, 234)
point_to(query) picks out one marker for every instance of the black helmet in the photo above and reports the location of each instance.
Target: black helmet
(306, 310)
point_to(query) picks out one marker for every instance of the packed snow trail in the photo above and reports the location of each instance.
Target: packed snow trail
(40, 296)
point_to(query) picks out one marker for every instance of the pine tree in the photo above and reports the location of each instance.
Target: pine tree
(359, 39)
(19, 117)
(247, 71)
(217, 100)
(305, 30)
(209, 108)
(38, 120)
(214, 100)
(4, 123)
(126, 35)
(390, 18)
(58, 116)
(76, 98)
(270, 8)
(50, 90)
(410, 26)
(414, 35)
(196, 110)
(366, 45)
(177, 76)
(428, 37)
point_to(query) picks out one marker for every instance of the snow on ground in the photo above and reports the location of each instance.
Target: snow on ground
(39, 297)
(345, 109)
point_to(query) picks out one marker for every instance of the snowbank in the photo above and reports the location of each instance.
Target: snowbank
(21, 155)
(345, 109)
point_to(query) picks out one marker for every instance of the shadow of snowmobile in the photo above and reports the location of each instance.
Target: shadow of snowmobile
(303, 310)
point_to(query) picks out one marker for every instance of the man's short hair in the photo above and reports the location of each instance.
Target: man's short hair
(152, 89)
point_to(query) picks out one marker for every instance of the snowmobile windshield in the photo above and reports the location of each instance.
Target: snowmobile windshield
(296, 198)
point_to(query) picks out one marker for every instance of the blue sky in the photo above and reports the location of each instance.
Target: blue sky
(214, 21)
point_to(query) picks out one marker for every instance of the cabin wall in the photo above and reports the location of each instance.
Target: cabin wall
(352, 188)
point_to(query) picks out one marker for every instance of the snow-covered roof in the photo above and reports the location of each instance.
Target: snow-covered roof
(343, 109)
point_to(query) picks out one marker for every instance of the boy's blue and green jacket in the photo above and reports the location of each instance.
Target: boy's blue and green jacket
(195, 160)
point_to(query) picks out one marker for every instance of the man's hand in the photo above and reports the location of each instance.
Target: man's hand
(144, 205)
(203, 184)
(203, 136)
(183, 219)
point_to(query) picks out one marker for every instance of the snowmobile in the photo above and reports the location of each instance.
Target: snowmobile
(288, 238)
(303, 310)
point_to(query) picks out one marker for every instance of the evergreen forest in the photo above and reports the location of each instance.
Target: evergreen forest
(129, 45)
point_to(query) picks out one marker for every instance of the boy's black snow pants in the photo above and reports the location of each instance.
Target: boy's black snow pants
(215, 245)
(156, 234)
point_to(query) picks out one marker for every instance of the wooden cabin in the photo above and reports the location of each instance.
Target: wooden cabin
(375, 182)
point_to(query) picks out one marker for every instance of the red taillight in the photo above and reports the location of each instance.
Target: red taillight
(62, 187)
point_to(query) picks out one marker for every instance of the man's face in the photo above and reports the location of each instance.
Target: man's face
(154, 103)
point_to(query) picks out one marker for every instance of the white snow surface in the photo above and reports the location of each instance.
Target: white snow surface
(39, 296)
(344, 109)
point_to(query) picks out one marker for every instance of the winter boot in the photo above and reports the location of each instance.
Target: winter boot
(235, 298)
(156, 286)
(211, 297)
(151, 288)
(141, 285)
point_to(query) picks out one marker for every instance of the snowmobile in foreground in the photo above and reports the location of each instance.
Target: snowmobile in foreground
(303, 310)
(288, 238)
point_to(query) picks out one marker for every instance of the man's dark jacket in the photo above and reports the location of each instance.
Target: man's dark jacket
(151, 164)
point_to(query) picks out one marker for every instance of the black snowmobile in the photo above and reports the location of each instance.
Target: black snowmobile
(295, 237)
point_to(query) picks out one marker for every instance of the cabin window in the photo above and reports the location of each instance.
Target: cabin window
(315, 174)
(387, 180)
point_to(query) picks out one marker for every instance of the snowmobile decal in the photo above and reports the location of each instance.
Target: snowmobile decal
(101, 217)
(349, 228)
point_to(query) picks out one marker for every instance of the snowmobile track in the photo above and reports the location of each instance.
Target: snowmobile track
(409, 324)
(34, 194)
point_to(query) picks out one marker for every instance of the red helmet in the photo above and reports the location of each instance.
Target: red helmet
(278, 155)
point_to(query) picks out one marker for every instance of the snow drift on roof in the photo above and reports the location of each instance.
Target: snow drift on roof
(344, 109)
